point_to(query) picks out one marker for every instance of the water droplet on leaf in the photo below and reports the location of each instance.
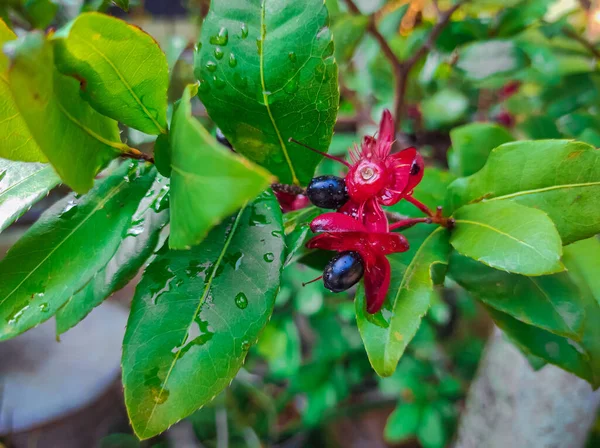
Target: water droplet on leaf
(244, 31)
(219, 53)
(269, 257)
(204, 86)
(221, 38)
(211, 66)
(292, 56)
(241, 301)
(219, 83)
(232, 60)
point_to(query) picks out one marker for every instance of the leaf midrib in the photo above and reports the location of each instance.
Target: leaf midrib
(201, 302)
(23, 179)
(263, 35)
(542, 190)
(124, 81)
(100, 205)
(547, 297)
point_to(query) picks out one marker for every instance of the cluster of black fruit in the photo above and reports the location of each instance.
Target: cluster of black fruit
(329, 192)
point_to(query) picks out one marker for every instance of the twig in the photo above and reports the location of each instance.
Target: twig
(583, 41)
(402, 68)
(132, 153)
(289, 189)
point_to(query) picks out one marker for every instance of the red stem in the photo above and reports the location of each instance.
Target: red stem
(324, 154)
(419, 205)
(409, 222)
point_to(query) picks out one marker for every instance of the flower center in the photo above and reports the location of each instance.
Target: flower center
(367, 173)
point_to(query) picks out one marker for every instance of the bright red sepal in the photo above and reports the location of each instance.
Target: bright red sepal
(378, 178)
(340, 233)
(291, 202)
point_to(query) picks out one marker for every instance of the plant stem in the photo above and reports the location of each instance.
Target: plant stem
(132, 153)
(409, 222)
(583, 41)
(402, 68)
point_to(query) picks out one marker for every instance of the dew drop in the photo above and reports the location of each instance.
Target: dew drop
(219, 83)
(277, 233)
(219, 53)
(204, 86)
(69, 210)
(232, 60)
(241, 301)
(198, 47)
(292, 56)
(269, 257)
(44, 307)
(211, 66)
(221, 38)
(291, 86)
(137, 228)
(246, 345)
(244, 31)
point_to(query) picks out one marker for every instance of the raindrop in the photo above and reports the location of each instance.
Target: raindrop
(257, 219)
(232, 60)
(221, 38)
(16, 316)
(241, 301)
(137, 228)
(204, 86)
(219, 53)
(277, 233)
(269, 257)
(292, 56)
(69, 210)
(44, 307)
(291, 86)
(219, 83)
(246, 345)
(198, 47)
(211, 66)
(244, 31)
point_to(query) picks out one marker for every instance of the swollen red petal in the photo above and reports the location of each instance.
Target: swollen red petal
(388, 243)
(377, 282)
(386, 135)
(336, 222)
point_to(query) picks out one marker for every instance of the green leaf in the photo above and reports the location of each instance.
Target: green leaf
(122, 70)
(296, 226)
(431, 432)
(551, 302)
(123, 4)
(555, 349)
(76, 139)
(139, 242)
(472, 144)
(21, 186)
(203, 170)
(348, 31)
(403, 423)
(414, 273)
(267, 73)
(508, 236)
(559, 177)
(444, 108)
(70, 243)
(279, 344)
(40, 13)
(482, 60)
(540, 127)
(16, 142)
(196, 313)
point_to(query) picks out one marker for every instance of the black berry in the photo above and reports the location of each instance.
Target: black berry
(415, 169)
(327, 192)
(222, 139)
(343, 271)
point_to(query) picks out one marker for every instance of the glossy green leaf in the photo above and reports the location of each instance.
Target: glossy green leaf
(555, 349)
(508, 236)
(472, 144)
(208, 182)
(551, 302)
(444, 108)
(76, 139)
(539, 127)
(40, 13)
(139, 242)
(348, 31)
(69, 244)
(559, 177)
(414, 273)
(267, 73)
(21, 186)
(402, 424)
(16, 142)
(482, 60)
(196, 313)
(296, 226)
(122, 70)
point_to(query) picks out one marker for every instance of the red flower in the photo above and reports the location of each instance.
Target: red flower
(340, 233)
(377, 178)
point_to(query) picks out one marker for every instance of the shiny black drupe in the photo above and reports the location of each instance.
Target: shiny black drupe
(343, 271)
(327, 192)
